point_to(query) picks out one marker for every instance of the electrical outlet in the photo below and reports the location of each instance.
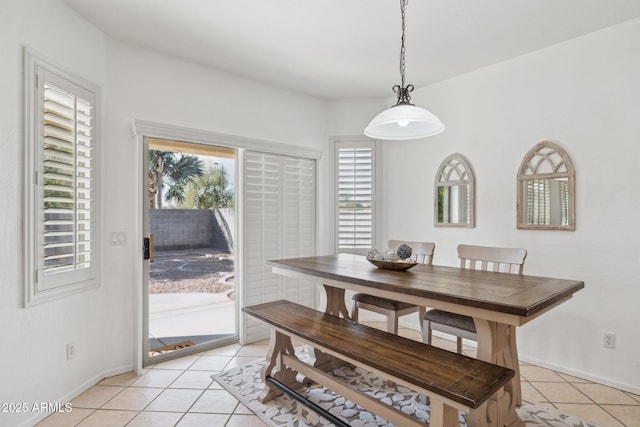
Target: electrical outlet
(71, 351)
(609, 340)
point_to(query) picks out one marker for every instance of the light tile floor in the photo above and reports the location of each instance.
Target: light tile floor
(181, 393)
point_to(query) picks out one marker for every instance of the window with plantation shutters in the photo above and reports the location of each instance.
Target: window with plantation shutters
(61, 179)
(66, 176)
(355, 196)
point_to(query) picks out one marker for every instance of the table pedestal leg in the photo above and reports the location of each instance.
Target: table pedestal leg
(496, 344)
(336, 307)
(513, 354)
(335, 302)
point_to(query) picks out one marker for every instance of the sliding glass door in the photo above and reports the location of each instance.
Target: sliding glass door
(189, 294)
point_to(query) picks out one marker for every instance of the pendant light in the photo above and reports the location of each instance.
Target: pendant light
(404, 120)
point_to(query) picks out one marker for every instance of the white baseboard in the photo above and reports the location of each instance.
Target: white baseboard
(580, 374)
(37, 417)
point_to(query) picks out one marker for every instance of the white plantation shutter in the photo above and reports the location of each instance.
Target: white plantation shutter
(355, 191)
(261, 226)
(60, 176)
(67, 175)
(299, 223)
(279, 221)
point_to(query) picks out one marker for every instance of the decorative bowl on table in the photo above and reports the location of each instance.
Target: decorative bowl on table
(392, 265)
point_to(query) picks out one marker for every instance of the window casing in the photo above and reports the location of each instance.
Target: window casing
(61, 203)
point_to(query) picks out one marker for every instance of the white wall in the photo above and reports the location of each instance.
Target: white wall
(584, 95)
(136, 84)
(33, 360)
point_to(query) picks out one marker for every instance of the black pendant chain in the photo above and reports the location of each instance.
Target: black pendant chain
(401, 90)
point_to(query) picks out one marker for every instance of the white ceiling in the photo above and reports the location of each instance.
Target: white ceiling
(338, 49)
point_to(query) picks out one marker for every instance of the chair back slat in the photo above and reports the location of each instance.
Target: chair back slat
(422, 252)
(507, 260)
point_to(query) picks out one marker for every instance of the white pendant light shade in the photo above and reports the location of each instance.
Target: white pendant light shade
(404, 121)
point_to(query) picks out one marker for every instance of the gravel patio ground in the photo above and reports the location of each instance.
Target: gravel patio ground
(204, 270)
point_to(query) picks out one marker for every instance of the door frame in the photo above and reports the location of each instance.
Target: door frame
(141, 129)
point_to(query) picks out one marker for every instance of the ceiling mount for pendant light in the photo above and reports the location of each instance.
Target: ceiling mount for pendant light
(404, 120)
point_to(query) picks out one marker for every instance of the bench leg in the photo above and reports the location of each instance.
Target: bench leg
(484, 416)
(326, 362)
(494, 413)
(443, 415)
(278, 345)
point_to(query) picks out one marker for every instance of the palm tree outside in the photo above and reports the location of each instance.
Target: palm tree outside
(173, 169)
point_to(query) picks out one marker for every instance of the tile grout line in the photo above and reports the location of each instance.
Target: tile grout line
(613, 415)
(155, 366)
(235, 357)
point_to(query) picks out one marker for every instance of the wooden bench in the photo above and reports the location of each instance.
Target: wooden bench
(453, 382)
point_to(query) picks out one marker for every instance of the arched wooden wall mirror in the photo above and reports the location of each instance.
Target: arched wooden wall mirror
(454, 193)
(546, 189)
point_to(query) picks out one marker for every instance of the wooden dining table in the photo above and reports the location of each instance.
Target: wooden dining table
(498, 302)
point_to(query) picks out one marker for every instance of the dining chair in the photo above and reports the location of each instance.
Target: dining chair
(422, 252)
(506, 260)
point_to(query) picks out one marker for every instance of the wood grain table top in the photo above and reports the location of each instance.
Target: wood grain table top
(512, 294)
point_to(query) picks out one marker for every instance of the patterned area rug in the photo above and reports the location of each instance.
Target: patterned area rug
(244, 383)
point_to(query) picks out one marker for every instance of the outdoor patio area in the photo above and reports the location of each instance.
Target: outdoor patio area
(191, 296)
